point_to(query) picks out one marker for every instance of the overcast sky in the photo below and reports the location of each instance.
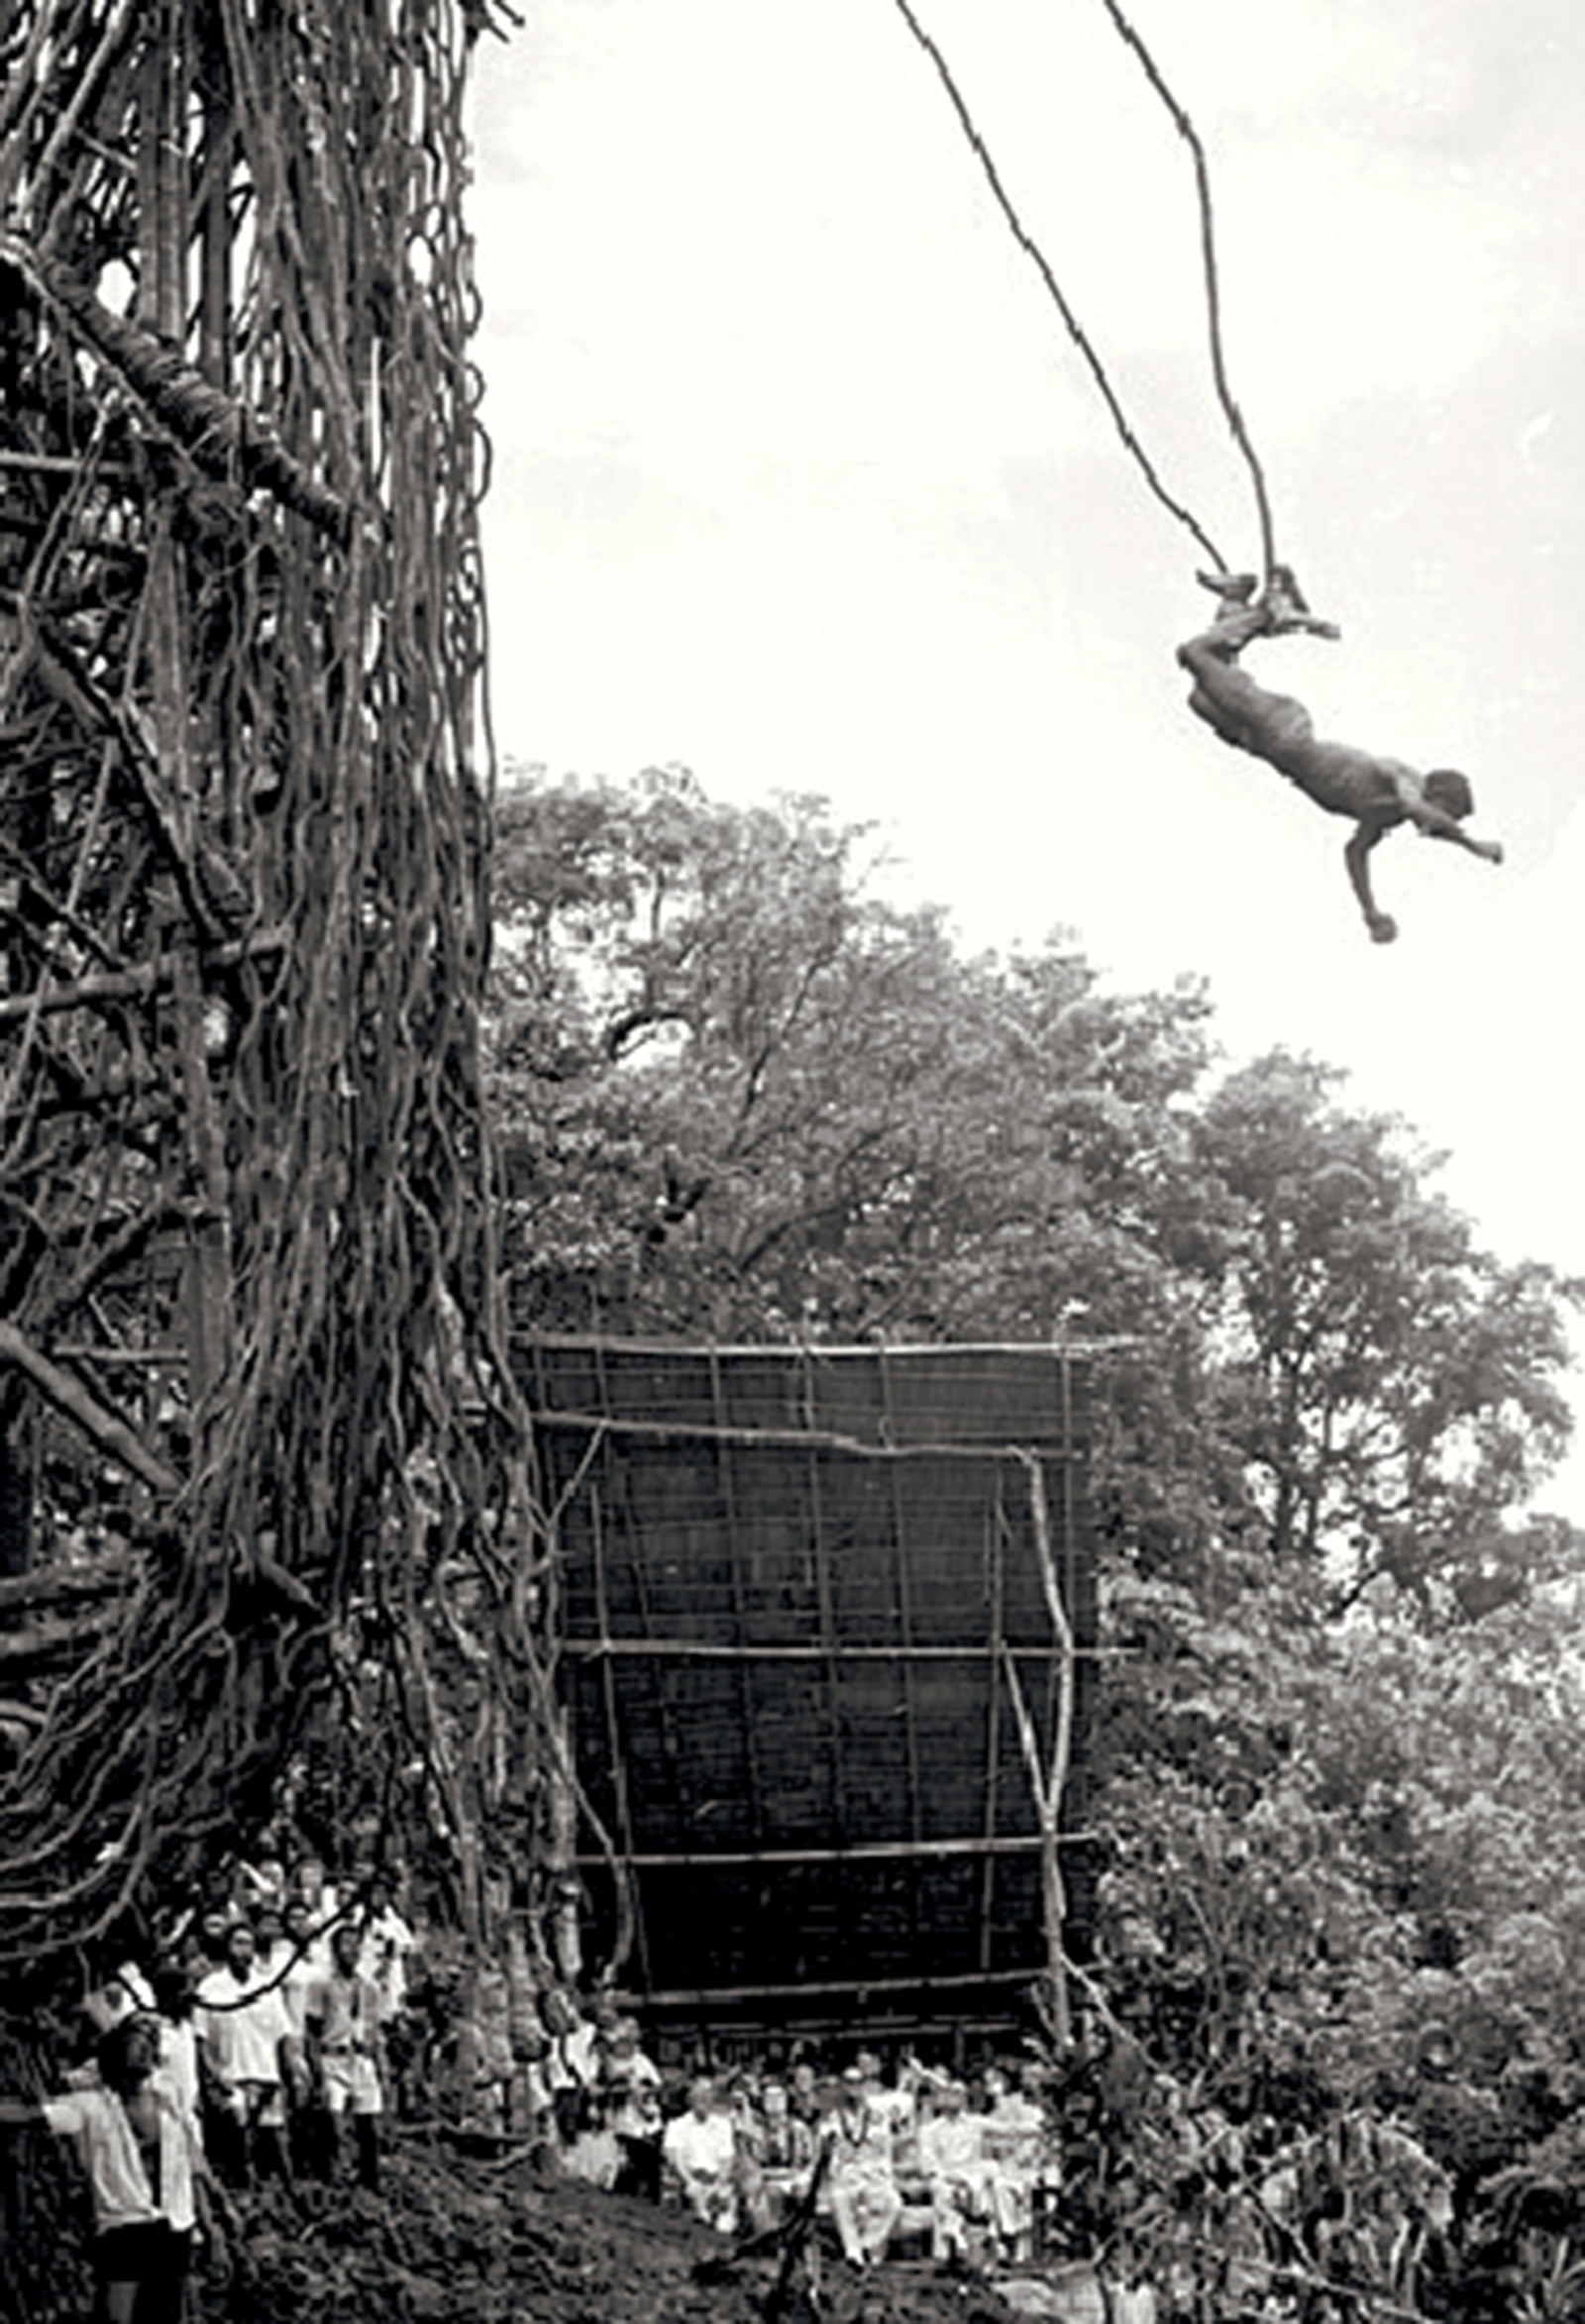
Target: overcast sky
(798, 481)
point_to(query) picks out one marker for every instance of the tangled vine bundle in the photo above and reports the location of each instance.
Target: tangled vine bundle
(252, 1381)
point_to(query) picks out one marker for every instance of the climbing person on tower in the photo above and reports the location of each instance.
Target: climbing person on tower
(1378, 792)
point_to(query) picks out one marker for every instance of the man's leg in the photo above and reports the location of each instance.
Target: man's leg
(1227, 698)
(844, 2219)
(365, 2136)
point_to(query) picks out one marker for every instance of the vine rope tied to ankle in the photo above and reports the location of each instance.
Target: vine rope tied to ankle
(1076, 331)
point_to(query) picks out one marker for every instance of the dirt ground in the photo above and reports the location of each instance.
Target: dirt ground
(453, 2240)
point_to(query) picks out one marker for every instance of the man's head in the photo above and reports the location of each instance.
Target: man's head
(128, 2053)
(240, 1948)
(345, 1943)
(267, 1929)
(700, 2095)
(1446, 789)
(214, 1931)
(298, 1923)
(308, 1880)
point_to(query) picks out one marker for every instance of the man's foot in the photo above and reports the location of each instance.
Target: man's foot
(1283, 624)
(1234, 589)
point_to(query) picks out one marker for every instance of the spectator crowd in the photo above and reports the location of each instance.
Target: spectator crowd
(267, 2037)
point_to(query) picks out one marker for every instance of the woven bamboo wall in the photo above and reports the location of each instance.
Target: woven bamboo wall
(792, 1582)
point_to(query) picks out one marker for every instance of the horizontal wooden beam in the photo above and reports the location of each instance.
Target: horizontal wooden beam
(749, 1650)
(861, 1851)
(791, 1440)
(813, 1988)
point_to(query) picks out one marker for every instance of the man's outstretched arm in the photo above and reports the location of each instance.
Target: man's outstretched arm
(1437, 824)
(1356, 855)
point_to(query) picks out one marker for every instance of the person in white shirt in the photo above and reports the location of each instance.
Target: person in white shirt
(1013, 2140)
(865, 2203)
(140, 2147)
(389, 1944)
(249, 2053)
(343, 2013)
(952, 2158)
(700, 2149)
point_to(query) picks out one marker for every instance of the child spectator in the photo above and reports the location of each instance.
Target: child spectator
(631, 2085)
(593, 2152)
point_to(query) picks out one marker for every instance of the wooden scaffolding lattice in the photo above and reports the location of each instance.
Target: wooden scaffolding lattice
(248, 1315)
(825, 1631)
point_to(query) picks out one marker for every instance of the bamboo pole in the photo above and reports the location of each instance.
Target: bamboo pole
(814, 1989)
(889, 1852)
(724, 1462)
(756, 1651)
(629, 1919)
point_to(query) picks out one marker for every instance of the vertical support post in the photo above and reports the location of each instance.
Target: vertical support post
(828, 1637)
(745, 1695)
(992, 1739)
(910, 1707)
(630, 1922)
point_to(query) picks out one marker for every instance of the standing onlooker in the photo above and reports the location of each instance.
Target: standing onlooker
(249, 2053)
(140, 2147)
(343, 2018)
(389, 1945)
(178, 2035)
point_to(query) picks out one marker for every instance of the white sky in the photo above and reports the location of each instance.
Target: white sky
(798, 481)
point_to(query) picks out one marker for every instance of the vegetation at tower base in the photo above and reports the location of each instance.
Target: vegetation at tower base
(252, 1367)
